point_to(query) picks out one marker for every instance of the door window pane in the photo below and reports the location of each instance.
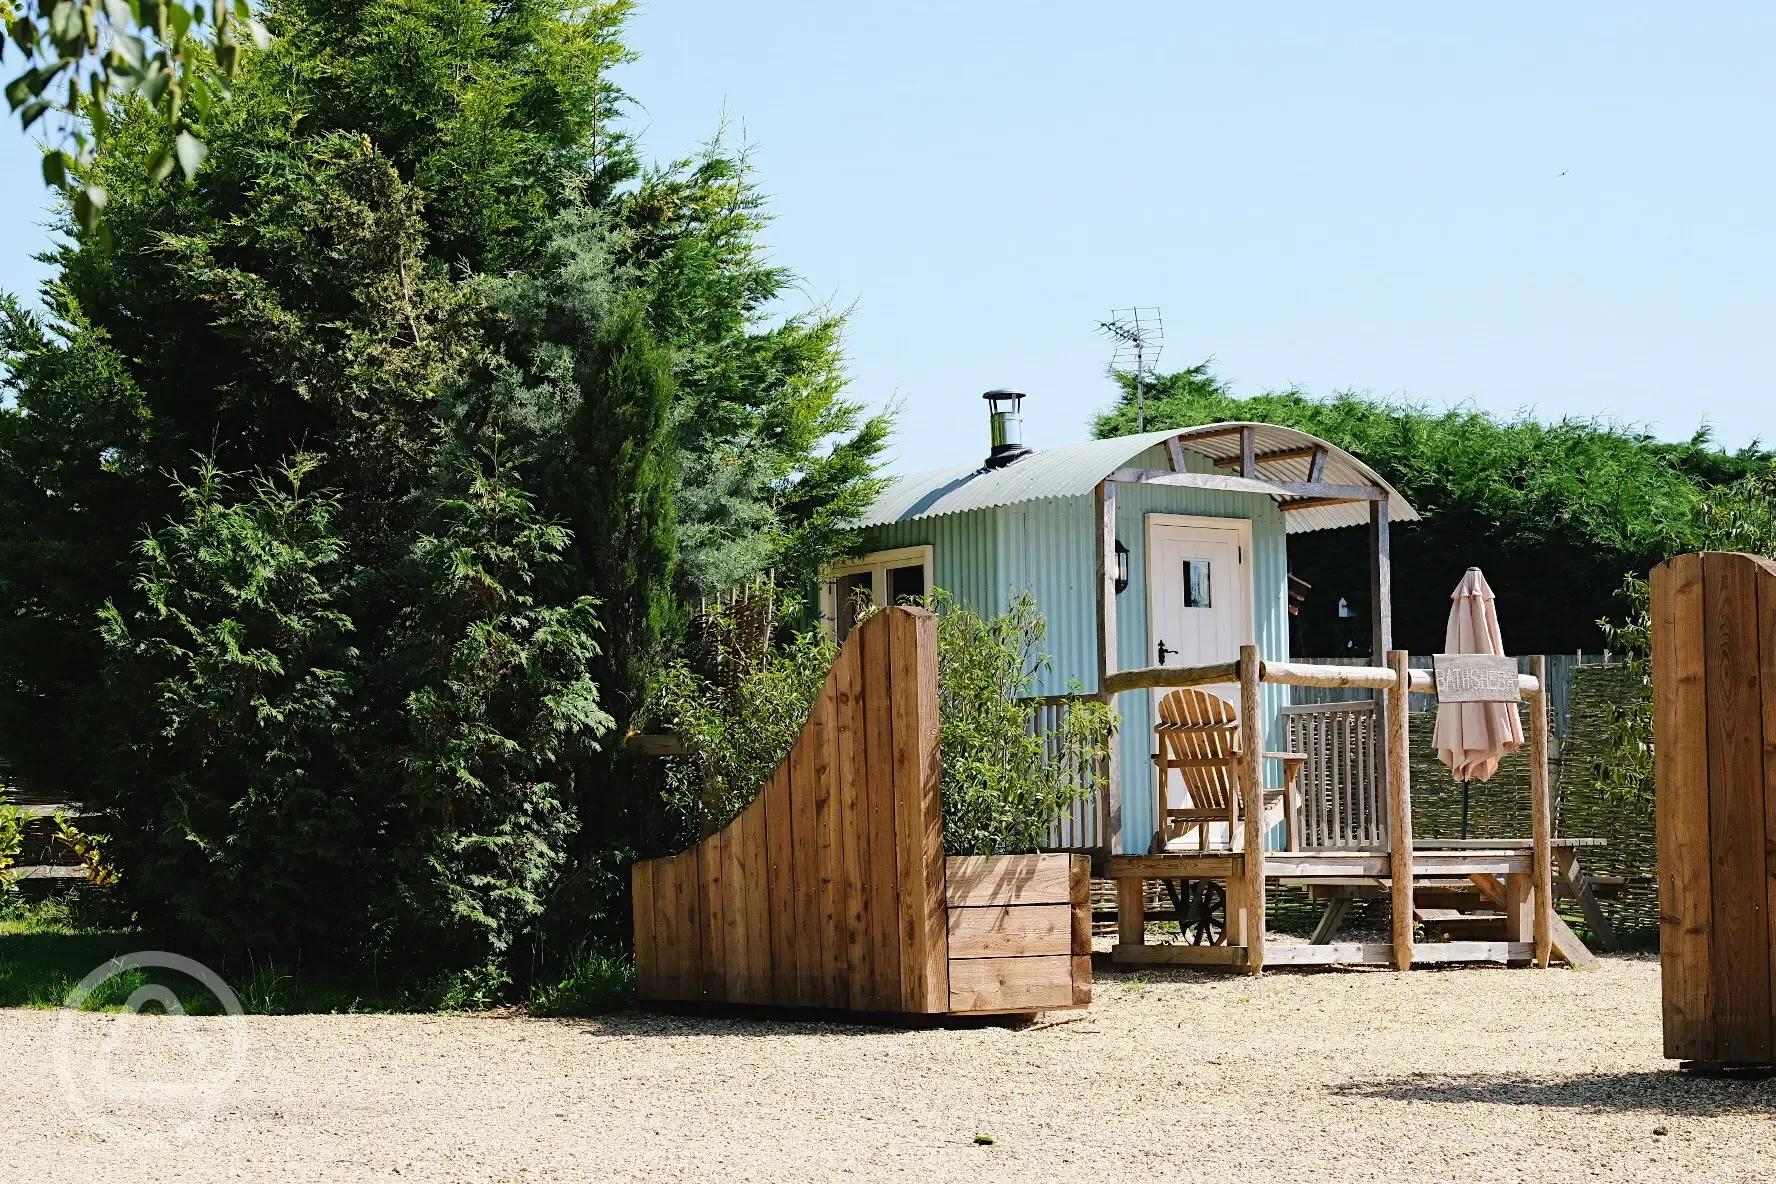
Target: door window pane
(906, 583)
(854, 596)
(1196, 584)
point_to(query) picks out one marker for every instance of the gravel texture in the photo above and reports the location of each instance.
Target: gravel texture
(1462, 1075)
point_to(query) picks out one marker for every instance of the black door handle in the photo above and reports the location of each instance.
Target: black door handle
(1163, 651)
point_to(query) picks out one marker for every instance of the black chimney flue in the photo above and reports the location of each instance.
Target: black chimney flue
(1005, 410)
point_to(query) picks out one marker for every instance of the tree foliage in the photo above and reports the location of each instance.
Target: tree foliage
(234, 679)
(104, 51)
(1737, 516)
(504, 404)
(1554, 513)
(505, 707)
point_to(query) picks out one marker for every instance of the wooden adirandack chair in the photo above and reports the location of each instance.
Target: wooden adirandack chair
(1199, 737)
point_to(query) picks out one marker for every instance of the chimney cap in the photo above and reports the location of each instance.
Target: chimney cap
(1005, 410)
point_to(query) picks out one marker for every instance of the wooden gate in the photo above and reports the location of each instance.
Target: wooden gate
(1343, 802)
(1714, 711)
(831, 890)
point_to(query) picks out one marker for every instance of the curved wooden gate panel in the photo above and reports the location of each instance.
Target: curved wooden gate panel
(828, 890)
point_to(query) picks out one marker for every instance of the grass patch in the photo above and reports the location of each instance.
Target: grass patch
(48, 947)
(598, 984)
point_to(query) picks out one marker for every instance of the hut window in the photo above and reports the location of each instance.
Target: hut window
(1196, 584)
(906, 583)
(855, 595)
(885, 577)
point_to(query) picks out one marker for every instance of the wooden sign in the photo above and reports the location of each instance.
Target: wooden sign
(1475, 678)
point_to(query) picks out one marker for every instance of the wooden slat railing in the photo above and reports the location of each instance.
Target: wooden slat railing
(1085, 825)
(1343, 804)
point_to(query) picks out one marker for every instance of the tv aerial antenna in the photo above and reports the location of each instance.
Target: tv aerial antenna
(1138, 334)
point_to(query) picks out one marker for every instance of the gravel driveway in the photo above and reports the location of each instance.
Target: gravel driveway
(1467, 1075)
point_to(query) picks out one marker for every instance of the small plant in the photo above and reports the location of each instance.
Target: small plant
(984, 1140)
(99, 873)
(12, 841)
(740, 720)
(1003, 783)
(598, 983)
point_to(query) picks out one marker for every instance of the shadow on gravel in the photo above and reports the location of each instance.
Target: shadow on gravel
(1664, 1092)
(658, 1019)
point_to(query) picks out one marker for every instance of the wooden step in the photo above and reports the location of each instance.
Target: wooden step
(1457, 924)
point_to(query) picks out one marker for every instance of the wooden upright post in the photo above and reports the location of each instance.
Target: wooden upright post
(1381, 580)
(1252, 793)
(1104, 547)
(1541, 816)
(1381, 616)
(1399, 775)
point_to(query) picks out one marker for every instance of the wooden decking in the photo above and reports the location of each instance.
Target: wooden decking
(1500, 872)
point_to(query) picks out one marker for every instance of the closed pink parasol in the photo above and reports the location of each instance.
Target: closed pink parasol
(1471, 737)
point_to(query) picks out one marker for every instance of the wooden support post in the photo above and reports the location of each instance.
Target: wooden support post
(1238, 931)
(1399, 778)
(1519, 907)
(1252, 794)
(1131, 911)
(1248, 453)
(1175, 455)
(1381, 581)
(1541, 818)
(1104, 546)
(1381, 621)
(1572, 872)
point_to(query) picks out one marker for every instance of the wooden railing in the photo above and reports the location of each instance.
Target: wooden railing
(1085, 825)
(1398, 681)
(1343, 791)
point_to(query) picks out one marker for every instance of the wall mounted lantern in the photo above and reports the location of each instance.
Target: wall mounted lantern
(1122, 568)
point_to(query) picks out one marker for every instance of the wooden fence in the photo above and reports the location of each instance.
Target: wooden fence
(1714, 713)
(831, 890)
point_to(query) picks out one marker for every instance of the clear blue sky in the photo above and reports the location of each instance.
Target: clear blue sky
(1565, 208)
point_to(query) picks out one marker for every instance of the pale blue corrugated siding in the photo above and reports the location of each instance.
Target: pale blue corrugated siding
(985, 557)
(964, 551)
(1045, 547)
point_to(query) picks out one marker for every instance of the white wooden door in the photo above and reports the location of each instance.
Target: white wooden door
(1199, 610)
(1199, 593)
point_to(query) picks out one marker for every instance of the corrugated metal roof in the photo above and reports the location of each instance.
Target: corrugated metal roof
(1076, 469)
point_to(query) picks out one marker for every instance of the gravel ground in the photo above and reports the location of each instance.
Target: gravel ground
(1469, 1075)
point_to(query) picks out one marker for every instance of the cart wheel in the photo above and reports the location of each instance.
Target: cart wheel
(1208, 913)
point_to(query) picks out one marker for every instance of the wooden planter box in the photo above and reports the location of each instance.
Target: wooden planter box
(1019, 932)
(831, 890)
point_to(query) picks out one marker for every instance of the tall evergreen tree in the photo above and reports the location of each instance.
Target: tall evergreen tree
(421, 237)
